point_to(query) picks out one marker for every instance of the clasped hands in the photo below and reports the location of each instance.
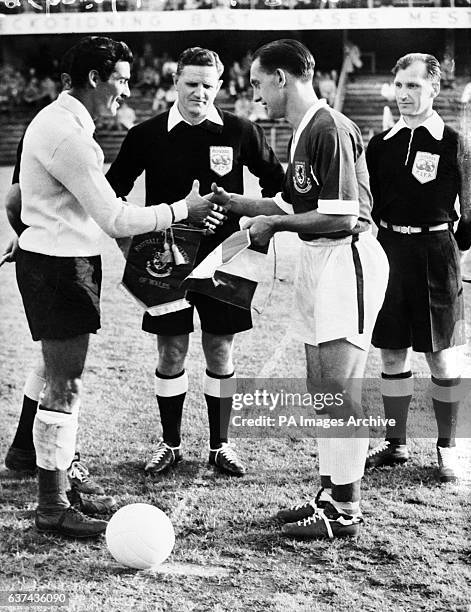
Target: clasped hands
(260, 227)
(203, 210)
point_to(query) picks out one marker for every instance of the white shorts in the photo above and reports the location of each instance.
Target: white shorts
(339, 290)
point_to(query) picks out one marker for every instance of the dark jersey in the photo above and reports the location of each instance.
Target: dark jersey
(327, 171)
(207, 152)
(414, 177)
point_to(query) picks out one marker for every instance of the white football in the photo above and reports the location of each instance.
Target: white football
(140, 536)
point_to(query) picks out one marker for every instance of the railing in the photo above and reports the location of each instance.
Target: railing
(341, 87)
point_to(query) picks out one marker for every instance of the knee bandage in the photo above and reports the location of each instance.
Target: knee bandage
(54, 436)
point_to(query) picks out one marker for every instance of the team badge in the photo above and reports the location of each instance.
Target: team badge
(425, 166)
(302, 183)
(164, 255)
(220, 159)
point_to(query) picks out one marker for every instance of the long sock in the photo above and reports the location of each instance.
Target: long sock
(397, 392)
(446, 401)
(24, 432)
(348, 456)
(52, 486)
(171, 392)
(218, 391)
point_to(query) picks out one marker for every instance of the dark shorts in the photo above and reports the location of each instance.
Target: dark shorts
(61, 295)
(423, 307)
(216, 318)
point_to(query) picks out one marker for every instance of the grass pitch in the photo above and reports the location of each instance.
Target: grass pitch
(412, 554)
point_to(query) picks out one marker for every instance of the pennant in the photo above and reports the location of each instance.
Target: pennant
(231, 272)
(156, 266)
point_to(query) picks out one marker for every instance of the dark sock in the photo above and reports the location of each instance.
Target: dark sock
(347, 497)
(446, 409)
(171, 406)
(326, 483)
(219, 412)
(397, 394)
(24, 432)
(53, 485)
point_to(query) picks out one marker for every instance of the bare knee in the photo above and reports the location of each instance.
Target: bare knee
(172, 354)
(64, 361)
(444, 364)
(395, 361)
(218, 353)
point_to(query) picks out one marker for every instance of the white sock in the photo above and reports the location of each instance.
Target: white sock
(347, 458)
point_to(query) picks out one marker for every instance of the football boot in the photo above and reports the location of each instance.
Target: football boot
(386, 454)
(225, 459)
(163, 457)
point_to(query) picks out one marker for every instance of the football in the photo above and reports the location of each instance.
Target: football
(140, 536)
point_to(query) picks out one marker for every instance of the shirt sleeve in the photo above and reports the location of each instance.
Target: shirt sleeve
(333, 166)
(262, 161)
(75, 164)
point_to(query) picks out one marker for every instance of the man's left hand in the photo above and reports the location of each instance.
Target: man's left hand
(261, 229)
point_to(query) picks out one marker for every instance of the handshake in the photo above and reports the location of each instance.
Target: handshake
(208, 210)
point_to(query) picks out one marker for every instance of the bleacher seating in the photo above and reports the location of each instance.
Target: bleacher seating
(363, 104)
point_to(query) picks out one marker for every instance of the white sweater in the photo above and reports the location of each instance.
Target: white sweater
(67, 203)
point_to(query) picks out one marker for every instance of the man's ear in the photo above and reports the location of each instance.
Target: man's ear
(435, 88)
(218, 86)
(93, 78)
(175, 78)
(281, 77)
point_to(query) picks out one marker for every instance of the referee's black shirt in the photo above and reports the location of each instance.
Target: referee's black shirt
(398, 197)
(171, 160)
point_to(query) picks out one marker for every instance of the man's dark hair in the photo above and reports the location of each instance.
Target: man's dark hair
(289, 55)
(432, 65)
(98, 53)
(198, 56)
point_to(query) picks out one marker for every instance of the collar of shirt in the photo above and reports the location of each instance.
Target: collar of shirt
(434, 124)
(309, 114)
(212, 118)
(78, 109)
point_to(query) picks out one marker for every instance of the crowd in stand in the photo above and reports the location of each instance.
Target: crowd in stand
(153, 90)
(19, 6)
(28, 91)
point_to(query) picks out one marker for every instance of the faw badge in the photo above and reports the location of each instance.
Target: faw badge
(220, 159)
(425, 166)
(302, 183)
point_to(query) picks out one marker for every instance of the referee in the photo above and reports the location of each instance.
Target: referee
(194, 139)
(416, 174)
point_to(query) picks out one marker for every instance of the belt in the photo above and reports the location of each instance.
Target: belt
(407, 229)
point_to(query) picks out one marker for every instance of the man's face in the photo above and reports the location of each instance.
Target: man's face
(267, 91)
(197, 87)
(414, 92)
(112, 92)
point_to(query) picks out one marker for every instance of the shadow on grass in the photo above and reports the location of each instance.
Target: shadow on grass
(406, 475)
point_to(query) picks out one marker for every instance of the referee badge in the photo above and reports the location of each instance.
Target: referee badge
(425, 166)
(220, 159)
(302, 183)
